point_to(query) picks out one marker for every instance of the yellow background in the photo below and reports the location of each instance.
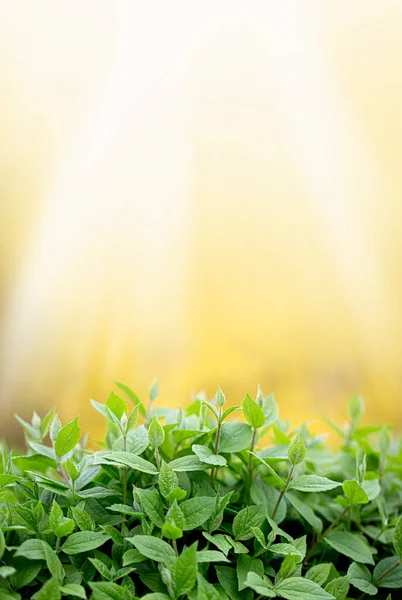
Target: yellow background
(204, 192)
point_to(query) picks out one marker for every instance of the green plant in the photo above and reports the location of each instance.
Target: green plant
(193, 504)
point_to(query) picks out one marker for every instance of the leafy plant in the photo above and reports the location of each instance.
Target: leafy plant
(195, 504)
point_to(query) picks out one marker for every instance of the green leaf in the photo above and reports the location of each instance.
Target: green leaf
(153, 548)
(261, 585)
(360, 578)
(298, 588)
(251, 516)
(234, 437)
(73, 589)
(152, 505)
(351, 545)
(219, 540)
(116, 405)
(71, 469)
(270, 410)
(106, 590)
(319, 573)
(83, 520)
(354, 493)
(187, 463)
(101, 568)
(50, 590)
(207, 456)
(297, 450)
(156, 433)
(220, 397)
(397, 539)
(84, 541)
(356, 408)
(168, 480)
(53, 562)
(23, 517)
(394, 579)
(245, 565)
(338, 587)
(196, 511)
(184, 571)
(252, 412)
(207, 556)
(153, 390)
(312, 483)
(305, 511)
(59, 524)
(2, 544)
(6, 572)
(67, 438)
(137, 441)
(31, 549)
(228, 579)
(206, 591)
(130, 460)
(286, 550)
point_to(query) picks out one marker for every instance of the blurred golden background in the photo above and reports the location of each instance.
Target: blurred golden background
(204, 192)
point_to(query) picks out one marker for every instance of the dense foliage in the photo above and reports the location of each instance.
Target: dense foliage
(194, 504)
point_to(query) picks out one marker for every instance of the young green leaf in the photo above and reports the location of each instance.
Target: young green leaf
(156, 433)
(116, 405)
(67, 438)
(297, 450)
(354, 493)
(252, 412)
(184, 571)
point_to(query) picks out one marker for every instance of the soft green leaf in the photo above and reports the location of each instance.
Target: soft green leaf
(67, 438)
(297, 450)
(116, 405)
(354, 493)
(207, 456)
(360, 578)
(234, 437)
(245, 565)
(312, 483)
(394, 579)
(156, 433)
(252, 412)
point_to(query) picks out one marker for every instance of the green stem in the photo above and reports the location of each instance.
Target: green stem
(175, 547)
(216, 447)
(327, 531)
(387, 572)
(282, 493)
(250, 460)
(157, 458)
(125, 472)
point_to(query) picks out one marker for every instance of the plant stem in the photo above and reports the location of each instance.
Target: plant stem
(216, 447)
(326, 532)
(282, 493)
(175, 547)
(250, 460)
(157, 458)
(125, 472)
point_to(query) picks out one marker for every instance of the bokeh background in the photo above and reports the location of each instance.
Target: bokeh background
(207, 192)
